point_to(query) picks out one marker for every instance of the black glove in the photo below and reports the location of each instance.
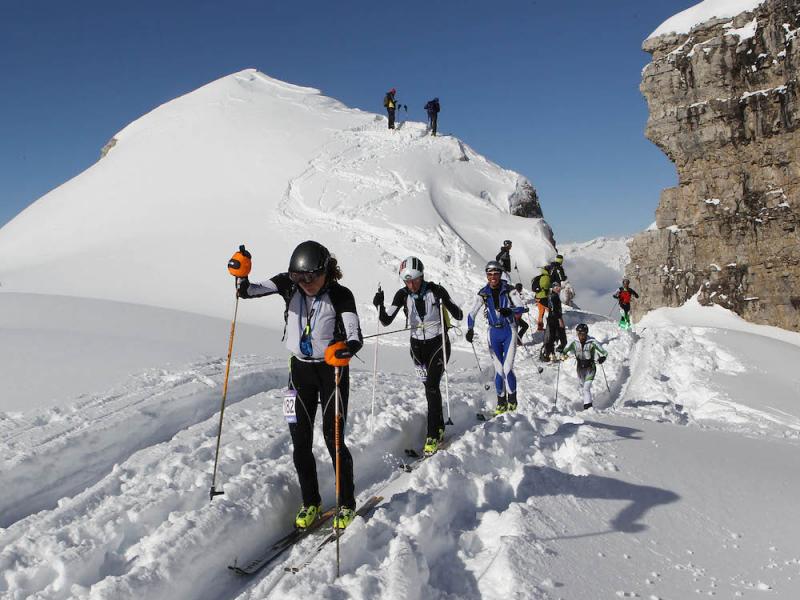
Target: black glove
(245, 252)
(457, 313)
(378, 299)
(470, 335)
(353, 346)
(601, 360)
(505, 312)
(242, 288)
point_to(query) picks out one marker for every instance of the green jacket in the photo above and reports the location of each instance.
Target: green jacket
(543, 285)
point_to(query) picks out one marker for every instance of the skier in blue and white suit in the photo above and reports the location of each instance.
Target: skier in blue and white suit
(500, 303)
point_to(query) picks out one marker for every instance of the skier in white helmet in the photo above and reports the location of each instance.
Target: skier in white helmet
(419, 300)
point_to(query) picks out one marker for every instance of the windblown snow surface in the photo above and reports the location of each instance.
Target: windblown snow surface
(704, 11)
(681, 483)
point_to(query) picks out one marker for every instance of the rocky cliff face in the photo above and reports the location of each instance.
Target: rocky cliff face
(723, 103)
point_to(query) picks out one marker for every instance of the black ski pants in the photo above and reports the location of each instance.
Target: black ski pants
(391, 117)
(315, 383)
(427, 355)
(522, 327)
(433, 118)
(554, 332)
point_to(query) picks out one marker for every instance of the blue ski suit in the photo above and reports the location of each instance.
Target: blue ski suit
(502, 338)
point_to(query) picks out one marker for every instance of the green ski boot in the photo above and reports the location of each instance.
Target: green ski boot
(431, 446)
(307, 515)
(502, 405)
(344, 518)
(512, 402)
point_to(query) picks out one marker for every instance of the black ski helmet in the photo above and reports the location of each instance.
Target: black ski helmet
(308, 257)
(582, 328)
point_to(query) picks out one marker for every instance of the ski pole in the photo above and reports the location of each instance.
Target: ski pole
(613, 306)
(375, 367)
(605, 378)
(558, 375)
(486, 386)
(338, 443)
(444, 358)
(421, 326)
(375, 335)
(214, 491)
(238, 266)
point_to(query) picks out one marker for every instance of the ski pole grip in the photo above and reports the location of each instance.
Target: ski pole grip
(214, 492)
(240, 263)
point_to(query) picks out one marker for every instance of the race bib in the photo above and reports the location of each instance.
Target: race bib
(422, 372)
(289, 406)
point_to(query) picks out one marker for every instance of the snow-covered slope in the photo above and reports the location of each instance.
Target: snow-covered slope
(680, 485)
(702, 12)
(249, 159)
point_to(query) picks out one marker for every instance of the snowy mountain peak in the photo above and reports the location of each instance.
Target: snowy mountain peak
(251, 159)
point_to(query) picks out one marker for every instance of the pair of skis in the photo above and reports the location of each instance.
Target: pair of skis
(278, 548)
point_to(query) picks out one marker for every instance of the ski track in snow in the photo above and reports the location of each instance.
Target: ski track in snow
(351, 161)
(466, 524)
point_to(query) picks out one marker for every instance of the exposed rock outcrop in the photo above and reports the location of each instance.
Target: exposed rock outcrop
(524, 202)
(723, 103)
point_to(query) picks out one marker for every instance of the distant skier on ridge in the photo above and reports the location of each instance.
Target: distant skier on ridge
(390, 103)
(419, 300)
(432, 108)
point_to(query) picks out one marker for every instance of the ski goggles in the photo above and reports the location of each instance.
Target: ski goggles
(305, 276)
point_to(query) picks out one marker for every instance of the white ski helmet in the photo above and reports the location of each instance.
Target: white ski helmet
(411, 268)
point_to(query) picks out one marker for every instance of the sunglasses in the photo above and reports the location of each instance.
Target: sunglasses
(493, 273)
(306, 276)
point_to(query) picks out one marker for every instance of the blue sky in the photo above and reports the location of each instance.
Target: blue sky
(549, 89)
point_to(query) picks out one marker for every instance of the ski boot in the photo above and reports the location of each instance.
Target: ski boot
(502, 405)
(431, 446)
(344, 518)
(307, 515)
(512, 402)
(432, 443)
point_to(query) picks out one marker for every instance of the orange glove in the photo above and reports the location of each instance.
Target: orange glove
(337, 361)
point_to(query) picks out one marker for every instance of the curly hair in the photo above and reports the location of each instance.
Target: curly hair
(332, 270)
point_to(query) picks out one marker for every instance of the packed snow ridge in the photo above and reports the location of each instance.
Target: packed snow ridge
(684, 21)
